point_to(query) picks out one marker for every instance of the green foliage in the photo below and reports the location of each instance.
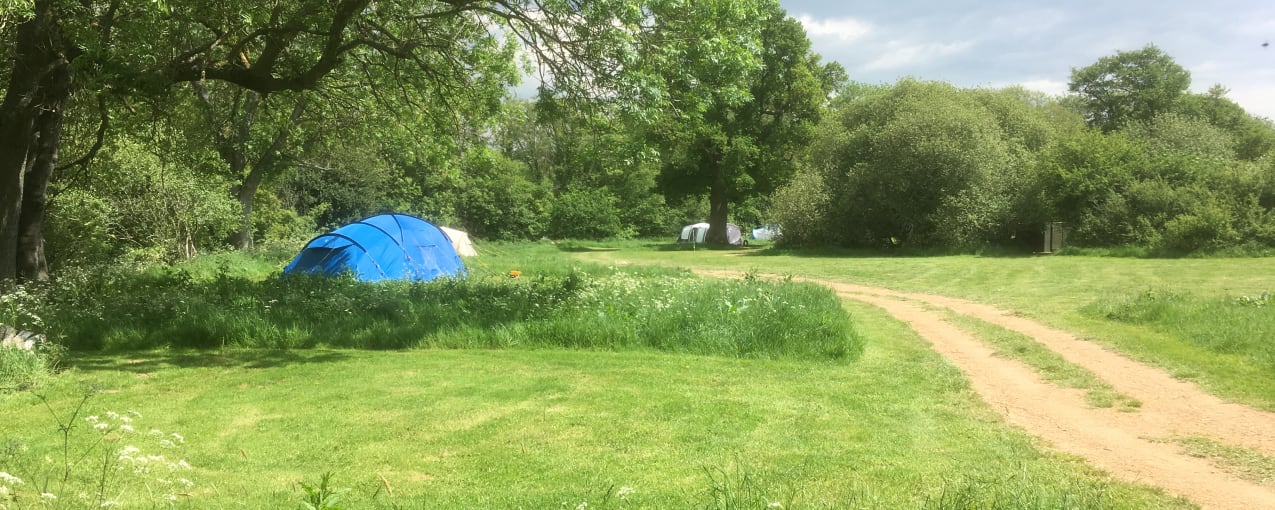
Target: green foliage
(78, 231)
(1130, 86)
(586, 214)
(802, 208)
(1254, 137)
(1172, 185)
(497, 200)
(143, 203)
(742, 100)
(926, 164)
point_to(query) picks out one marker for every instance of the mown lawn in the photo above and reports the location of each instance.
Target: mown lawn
(551, 428)
(1205, 333)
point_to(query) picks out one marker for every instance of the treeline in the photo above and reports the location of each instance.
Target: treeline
(155, 133)
(1129, 158)
(718, 113)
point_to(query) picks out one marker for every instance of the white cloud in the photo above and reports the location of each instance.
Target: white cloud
(1255, 97)
(1051, 87)
(899, 55)
(843, 29)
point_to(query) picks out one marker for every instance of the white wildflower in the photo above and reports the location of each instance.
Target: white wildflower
(126, 428)
(179, 438)
(91, 419)
(156, 432)
(48, 496)
(113, 415)
(775, 504)
(110, 503)
(10, 479)
(583, 505)
(185, 482)
(102, 426)
(624, 492)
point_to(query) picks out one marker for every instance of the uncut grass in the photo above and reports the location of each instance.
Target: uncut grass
(539, 429)
(1050, 365)
(550, 305)
(1053, 289)
(1240, 326)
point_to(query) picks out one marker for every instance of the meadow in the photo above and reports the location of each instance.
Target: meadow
(1202, 319)
(575, 403)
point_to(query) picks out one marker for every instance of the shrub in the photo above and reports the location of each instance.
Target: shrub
(586, 214)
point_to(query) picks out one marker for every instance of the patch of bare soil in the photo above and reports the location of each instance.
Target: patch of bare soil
(1129, 445)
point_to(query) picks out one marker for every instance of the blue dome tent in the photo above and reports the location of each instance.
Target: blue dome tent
(384, 247)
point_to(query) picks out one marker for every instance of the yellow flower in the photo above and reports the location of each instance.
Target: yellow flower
(515, 273)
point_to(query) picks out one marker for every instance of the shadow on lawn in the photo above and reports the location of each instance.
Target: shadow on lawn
(147, 362)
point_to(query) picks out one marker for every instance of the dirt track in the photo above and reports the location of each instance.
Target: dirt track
(1129, 445)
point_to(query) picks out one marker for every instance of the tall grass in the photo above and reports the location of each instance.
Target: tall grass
(1241, 326)
(548, 305)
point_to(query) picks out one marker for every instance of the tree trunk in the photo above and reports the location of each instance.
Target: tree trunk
(247, 195)
(32, 264)
(267, 163)
(39, 63)
(717, 207)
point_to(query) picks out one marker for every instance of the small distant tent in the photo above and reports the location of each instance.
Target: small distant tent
(384, 247)
(767, 232)
(693, 233)
(696, 233)
(460, 242)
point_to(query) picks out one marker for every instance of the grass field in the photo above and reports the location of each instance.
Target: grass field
(553, 429)
(1202, 331)
(584, 424)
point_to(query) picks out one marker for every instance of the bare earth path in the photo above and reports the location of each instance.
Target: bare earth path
(1129, 445)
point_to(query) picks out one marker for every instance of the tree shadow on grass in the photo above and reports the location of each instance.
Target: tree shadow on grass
(148, 362)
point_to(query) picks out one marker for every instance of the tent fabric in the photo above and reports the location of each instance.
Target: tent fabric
(767, 232)
(696, 233)
(693, 233)
(384, 247)
(460, 242)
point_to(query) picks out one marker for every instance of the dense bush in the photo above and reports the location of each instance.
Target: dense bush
(142, 204)
(586, 214)
(921, 164)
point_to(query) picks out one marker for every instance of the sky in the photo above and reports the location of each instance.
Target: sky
(997, 43)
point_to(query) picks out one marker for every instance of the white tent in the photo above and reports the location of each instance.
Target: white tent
(767, 232)
(460, 241)
(693, 233)
(697, 232)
